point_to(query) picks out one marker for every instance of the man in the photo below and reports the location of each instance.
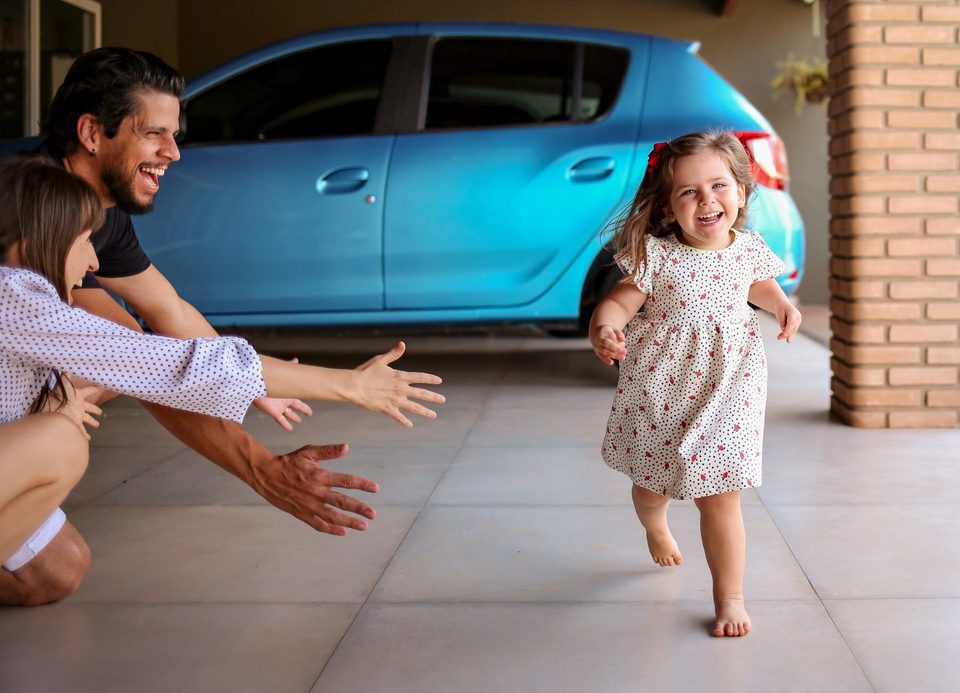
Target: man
(114, 122)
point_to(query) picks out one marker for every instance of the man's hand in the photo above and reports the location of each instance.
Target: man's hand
(297, 484)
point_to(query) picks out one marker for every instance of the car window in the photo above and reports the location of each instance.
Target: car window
(330, 91)
(478, 82)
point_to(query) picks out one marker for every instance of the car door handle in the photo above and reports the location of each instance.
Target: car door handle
(592, 169)
(343, 180)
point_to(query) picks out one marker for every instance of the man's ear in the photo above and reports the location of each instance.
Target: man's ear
(89, 133)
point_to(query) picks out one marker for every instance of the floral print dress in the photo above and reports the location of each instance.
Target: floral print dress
(687, 418)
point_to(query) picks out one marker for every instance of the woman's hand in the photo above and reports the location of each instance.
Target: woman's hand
(382, 389)
(282, 408)
(609, 343)
(79, 406)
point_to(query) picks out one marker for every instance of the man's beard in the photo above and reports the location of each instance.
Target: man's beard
(121, 191)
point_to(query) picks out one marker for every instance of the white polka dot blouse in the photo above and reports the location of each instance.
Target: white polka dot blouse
(218, 376)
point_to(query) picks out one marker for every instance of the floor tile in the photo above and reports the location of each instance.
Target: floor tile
(903, 645)
(111, 467)
(543, 426)
(861, 552)
(533, 476)
(586, 554)
(406, 476)
(232, 554)
(343, 423)
(85, 648)
(605, 648)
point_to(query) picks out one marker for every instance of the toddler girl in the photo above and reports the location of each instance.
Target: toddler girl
(687, 419)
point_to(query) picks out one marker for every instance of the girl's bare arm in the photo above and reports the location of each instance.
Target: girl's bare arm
(610, 317)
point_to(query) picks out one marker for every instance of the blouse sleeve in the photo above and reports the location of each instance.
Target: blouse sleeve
(218, 376)
(642, 273)
(765, 264)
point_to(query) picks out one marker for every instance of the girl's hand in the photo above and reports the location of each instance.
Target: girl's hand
(382, 389)
(789, 319)
(609, 344)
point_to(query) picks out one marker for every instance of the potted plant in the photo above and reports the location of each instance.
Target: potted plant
(807, 79)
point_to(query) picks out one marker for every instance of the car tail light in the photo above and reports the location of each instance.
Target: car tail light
(769, 158)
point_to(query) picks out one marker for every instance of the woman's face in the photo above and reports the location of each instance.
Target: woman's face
(81, 259)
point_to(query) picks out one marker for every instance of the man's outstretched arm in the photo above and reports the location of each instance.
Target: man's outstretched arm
(294, 482)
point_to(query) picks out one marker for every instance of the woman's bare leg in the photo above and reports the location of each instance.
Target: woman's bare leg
(42, 457)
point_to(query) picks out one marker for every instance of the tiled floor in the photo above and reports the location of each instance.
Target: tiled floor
(505, 555)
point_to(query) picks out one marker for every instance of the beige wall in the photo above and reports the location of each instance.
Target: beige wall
(147, 26)
(744, 48)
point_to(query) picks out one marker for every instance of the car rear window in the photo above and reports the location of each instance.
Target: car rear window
(483, 82)
(329, 91)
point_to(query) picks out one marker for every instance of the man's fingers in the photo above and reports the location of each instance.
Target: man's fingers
(341, 480)
(319, 453)
(351, 504)
(325, 527)
(425, 378)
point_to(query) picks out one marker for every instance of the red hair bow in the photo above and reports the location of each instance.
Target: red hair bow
(654, 158)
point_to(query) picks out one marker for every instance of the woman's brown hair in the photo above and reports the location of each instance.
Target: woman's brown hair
(43, 209)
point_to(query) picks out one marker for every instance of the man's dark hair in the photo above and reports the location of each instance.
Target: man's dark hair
(106, 83)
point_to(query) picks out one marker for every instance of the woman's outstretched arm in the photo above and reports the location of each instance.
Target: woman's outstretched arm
(373, 385)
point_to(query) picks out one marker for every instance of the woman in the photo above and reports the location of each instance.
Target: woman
(46, 221)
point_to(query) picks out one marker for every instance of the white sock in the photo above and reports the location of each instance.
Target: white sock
(35, 544)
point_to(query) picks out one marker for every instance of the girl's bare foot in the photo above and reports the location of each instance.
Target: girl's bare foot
(732, 618)
(663, 548)
(652, 511)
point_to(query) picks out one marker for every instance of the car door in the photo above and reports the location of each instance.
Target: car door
(520, 157)
(274, 206)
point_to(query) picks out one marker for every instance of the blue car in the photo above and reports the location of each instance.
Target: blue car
(434, 173)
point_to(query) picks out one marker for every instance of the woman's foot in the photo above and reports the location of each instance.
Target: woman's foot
(663, 547)
(732, 619)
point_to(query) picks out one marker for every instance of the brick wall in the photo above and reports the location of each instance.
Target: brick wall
(894, 224)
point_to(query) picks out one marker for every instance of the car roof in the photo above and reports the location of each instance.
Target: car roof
(373, 31)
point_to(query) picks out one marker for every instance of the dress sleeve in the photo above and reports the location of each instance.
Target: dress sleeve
(642, 275)
(218, 376)
(765, 263)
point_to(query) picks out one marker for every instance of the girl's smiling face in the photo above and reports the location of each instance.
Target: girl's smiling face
(81, 258)
(705, 200)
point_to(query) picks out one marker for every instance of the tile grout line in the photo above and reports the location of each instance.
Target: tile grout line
(366, 599)
(823, 606)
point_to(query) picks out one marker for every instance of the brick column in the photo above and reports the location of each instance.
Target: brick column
(894, 228)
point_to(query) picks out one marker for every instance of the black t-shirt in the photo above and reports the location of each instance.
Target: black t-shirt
(118, 248)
